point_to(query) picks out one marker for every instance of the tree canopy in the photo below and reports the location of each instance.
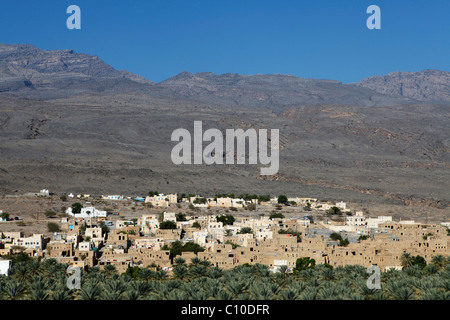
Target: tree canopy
(76, 207)
(167, 225)
(282, 199)
(226, 219)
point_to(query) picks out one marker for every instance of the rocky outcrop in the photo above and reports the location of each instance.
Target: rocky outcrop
(275, 91)
(27, 67)
(426, 85)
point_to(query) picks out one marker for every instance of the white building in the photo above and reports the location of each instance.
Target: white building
(112, 197)
(277, 265)
(148, 223)
(341, 205)
(88, 212)
(170, 216)
(84, 246)
(4, 266)
(374, 222)
(36, 241)
(200, 237)
(357, 220)
(44, 192)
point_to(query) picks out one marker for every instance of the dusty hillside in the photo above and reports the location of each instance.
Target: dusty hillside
(337, 141)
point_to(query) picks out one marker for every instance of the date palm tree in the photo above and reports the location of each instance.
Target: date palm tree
(39, 294)
(310, 293)
(197, 271)
(90, 292)
(224, 295)
(180, 261)
(406, 260)
(115, 286)
(34, 268)
(177, 295)
(326, 274)
(141, 287)
(195, 261)
(205, 263)
(261, 291)
(180, 272)
(61, 294)
(147, 274)
(289, 294)
(439, 261)
(215, 272)
(161, 275)
(13, 290)
(235, 287)
(110, 269)
(132, 295)
(20, 271)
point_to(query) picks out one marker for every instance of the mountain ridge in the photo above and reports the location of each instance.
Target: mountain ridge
(425, 85)
(24, 68)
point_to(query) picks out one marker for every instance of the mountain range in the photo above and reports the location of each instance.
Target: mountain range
(71, 122)
(25, 67)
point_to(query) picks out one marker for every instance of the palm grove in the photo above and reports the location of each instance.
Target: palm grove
(30, 278)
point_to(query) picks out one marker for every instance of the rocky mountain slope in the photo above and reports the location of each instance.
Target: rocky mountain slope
(426, 85)
(69, 122)
(27, 70)
(276, 92)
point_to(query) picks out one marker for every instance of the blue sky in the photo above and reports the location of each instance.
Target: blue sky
(324, 39)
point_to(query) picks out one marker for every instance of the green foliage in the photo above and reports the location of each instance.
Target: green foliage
(167, 225)
(334, 211)
(344, 242)
(233, 245)
(425, 237)
(76, 207)
(363, 237)
(53, 227)
(251, 207)
(226, 195)
(200, 201)
(4, 215)
(408, 261)
(20, 257)
(50, 213)
(226, 219)
(248, 197)
(276, 215)
(105, 228)
(177, 247)
(133, 272)
(419, 261)
(304, 263)
(245, 230)
(264, 198)
(335, 236)
(180, 216)
(291, 232)
(282, 199)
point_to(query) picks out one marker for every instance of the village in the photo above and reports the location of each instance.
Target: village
(225, 230)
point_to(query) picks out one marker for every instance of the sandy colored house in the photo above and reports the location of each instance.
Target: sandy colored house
(162, 200)
(59, 249)
(36, 241)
